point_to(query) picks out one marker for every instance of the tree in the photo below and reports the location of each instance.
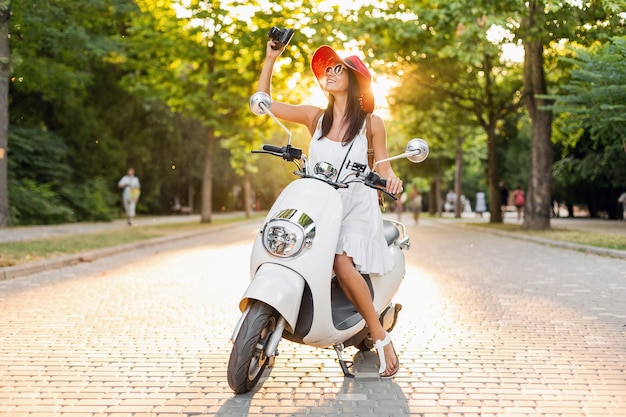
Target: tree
(5, 18)
(541, 26)
(63, 86)
(204, 61)
(539, 199)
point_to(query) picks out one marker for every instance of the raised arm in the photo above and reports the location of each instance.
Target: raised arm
(302, 114)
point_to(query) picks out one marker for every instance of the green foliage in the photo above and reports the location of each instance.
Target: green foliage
(53, 43)
(591, 127)
(35, 203)
(91, 201)
(38, 155)
(595, 96)
(42, 189)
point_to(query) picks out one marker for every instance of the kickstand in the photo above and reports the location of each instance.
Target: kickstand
(345, 366)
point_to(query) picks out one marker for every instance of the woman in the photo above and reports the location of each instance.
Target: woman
(338, 134)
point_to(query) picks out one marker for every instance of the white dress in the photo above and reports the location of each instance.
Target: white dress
(361, 235)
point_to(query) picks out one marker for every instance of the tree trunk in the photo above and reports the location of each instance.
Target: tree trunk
(206, 210)
(207, 179)
(495, 212)
(537, 207)
(458, 175)
(5, 69)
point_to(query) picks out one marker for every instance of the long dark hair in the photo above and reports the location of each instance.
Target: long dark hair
(354, 113)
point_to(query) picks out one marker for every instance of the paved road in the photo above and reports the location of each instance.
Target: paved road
(491, 326)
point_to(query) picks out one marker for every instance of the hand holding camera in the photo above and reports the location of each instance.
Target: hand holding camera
(281, 37)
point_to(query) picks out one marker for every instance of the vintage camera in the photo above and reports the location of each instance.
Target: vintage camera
(280, 36)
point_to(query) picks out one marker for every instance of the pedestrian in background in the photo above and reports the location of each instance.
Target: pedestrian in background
(622, 199)
(519, 201)
(132, 190)
(399, 205)
(450, 203)
(415, 204)
(481, 204)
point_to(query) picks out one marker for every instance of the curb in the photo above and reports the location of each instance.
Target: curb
(31, 268)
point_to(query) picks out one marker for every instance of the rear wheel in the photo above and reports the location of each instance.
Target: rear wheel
(248, 359)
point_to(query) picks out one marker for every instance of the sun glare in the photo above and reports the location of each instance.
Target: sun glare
(511, 52)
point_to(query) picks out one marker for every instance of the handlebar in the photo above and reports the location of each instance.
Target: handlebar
(272, 149)
(288, 152)
(374, 181)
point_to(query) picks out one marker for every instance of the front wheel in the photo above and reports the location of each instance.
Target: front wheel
(248, 359)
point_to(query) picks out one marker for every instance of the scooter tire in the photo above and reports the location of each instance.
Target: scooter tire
(247, 358)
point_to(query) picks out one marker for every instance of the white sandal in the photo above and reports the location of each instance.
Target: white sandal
(380, 349)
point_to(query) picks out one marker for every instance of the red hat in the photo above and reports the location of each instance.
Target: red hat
(325, 56)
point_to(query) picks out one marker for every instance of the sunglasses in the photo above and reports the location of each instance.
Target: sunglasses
(334, 70)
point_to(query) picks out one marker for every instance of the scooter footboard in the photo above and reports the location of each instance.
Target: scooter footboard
(279, 287)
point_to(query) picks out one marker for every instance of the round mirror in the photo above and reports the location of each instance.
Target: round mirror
(418, 149)
(260, 102)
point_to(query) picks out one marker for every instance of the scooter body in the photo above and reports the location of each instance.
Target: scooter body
(293, 293)
(329, 319)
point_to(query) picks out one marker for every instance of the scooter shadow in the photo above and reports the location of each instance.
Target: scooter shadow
(366, 393)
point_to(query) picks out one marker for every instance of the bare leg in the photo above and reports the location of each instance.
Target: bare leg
(357, 291)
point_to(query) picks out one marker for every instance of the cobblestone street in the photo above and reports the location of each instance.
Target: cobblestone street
(491, 326)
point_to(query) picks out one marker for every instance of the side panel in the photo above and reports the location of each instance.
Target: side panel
(386, 286)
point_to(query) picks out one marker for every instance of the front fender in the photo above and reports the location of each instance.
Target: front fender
(279, 287)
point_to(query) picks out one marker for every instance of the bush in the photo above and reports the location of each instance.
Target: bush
(91, 201)
(32, 203)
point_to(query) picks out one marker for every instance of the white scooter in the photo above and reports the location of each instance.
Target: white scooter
(293, 293)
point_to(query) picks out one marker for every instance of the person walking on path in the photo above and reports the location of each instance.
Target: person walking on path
(341, 132)
(481, 204)
(622, 199)
(415, 204)
(399, 206)
(130, 194)
(518, 200)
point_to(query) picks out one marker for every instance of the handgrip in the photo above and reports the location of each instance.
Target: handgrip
(272, 148)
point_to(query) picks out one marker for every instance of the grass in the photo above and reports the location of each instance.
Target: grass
(596, 239)
(14, 253)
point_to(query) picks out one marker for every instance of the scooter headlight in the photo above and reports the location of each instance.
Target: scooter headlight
(287, 233)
